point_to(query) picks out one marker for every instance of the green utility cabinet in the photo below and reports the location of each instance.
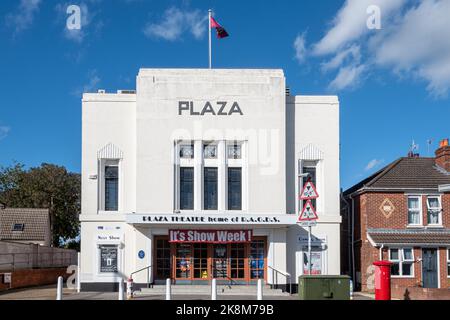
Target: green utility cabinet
(323, 287)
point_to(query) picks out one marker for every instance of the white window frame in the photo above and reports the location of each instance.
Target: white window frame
(237, 163)
(183, 163)
(439, 197)
(316, 164)
(401, 259)
(103, 163)
(420, 224)
(448, 262)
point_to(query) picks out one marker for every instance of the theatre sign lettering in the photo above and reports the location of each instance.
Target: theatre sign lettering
(215, 219)
(210, 236)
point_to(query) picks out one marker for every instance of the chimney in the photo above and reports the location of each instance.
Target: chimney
(443, 155)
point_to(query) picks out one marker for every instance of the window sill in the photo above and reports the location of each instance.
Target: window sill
(108, 212)
(415, 226)
(435, 226)
(402, 277)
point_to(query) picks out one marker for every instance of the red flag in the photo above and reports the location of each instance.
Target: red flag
(221, 32)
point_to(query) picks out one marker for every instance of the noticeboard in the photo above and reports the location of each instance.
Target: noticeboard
(108, 259)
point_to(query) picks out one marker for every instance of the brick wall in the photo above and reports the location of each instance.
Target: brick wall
(369, 215)
(34, 277)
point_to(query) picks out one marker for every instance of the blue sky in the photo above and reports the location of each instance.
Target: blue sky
(393, 83)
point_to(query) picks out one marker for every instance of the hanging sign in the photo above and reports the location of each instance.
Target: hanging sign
(309, 191)
(308, 213)
(210, 236)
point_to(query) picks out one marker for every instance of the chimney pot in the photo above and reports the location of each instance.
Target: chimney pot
(443, 155)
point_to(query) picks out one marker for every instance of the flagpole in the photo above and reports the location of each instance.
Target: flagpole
(209, 32)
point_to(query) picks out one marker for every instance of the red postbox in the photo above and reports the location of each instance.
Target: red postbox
(382, 280)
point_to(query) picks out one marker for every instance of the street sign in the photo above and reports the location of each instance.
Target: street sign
(309, 191)
(312, 223)
(308, 213)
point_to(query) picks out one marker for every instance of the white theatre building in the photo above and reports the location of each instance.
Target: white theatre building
(196, 175)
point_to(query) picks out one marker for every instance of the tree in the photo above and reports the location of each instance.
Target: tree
(48, 186)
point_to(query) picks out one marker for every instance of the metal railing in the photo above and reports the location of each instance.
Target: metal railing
(30, 260)
(231, 280)
(148, 268)
(283, 273)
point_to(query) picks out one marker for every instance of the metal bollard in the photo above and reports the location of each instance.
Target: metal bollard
(130, 288)
(214, 289)
(260, 290)
(121, 295)
(59, 289)
(168, 290)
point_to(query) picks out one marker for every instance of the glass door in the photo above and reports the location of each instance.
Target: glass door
(237, 261)
(201, 262)
(183, 261)
(220, 261)
(257, 259)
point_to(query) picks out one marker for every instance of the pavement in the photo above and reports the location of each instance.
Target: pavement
(49, 293)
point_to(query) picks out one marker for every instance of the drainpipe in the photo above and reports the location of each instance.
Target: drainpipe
(349, 237)
(353, 239)
(381, 251)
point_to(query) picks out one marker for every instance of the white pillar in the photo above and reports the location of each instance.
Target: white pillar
(79, 272)
(168, 290)
(198, 175)
(222, 176)
(121, 289)
(260, 290)
(59, 289)
(214, 289)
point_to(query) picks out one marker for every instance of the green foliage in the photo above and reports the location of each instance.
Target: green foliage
(48, 186)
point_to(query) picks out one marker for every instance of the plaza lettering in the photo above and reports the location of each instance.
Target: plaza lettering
(220, 108)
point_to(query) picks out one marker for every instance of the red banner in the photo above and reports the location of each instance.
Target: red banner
(210, 236)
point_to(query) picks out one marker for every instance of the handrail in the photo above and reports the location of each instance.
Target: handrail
(284, 273)
(226, 276)
(148, 274)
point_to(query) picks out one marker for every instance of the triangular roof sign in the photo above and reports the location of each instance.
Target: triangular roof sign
(308, 212)
(309, 191)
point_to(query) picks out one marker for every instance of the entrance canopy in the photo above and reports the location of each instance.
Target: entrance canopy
(224, 219)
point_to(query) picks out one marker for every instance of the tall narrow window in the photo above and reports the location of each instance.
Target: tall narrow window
(186, 188)
(210, 189)
(111, 188)
(311, 170)
(414, 210)
(234, 189)
(434, 210)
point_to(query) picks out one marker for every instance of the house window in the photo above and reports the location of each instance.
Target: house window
(234, 189)
(111, 188)
(402, 262)
(108, 258)
(186, 188)
(434, 210)
(210, 151)
(187, 151)
(210, 189)
(414, 210)
(234, 151)
(18, 227)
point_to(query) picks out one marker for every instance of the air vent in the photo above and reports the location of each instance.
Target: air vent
(288, 91)
(101, 91)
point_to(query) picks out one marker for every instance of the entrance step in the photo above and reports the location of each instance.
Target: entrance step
(205, 290)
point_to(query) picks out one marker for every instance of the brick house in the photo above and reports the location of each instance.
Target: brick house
(401, 214)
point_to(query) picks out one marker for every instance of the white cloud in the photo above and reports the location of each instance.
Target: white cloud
(413, 43)
(23, 16)
(4, 132)
(87, 20)
(90, 86)
(350, 23)
(176, 22)
(373, 164)
(300, 47)
(420, 44)
(347, 77)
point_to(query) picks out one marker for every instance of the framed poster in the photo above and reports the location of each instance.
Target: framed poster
(316, 262)
(108, 258)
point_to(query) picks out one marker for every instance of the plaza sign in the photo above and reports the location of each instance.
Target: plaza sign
(221, 108)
